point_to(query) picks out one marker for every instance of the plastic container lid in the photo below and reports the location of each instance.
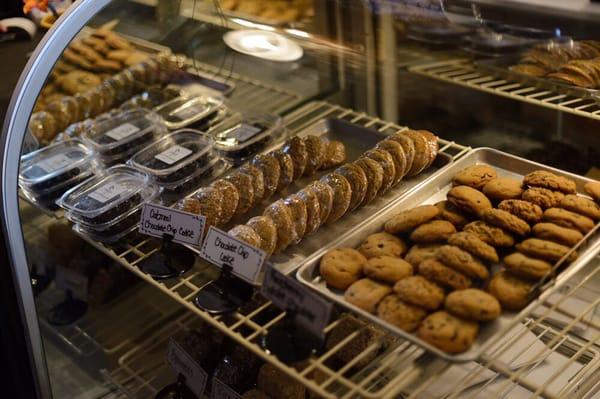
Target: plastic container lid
(175, 157)
(184, 111)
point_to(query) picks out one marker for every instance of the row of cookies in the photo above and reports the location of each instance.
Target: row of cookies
(348, 187)
(278, 11)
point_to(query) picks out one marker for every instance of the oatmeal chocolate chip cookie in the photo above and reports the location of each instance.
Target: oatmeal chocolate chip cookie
(325, 195)
(286, 165)
(342, 195)
(489, 234)
(281, 215)
(266, 229)
(473, 304)
(296, 148)
(245, 186)
(366, 294)
(452, 214)
(503, 188)
(386, 161)
(341, 267)
(419, 253)
(556, 233)
(335, 155)
(419, 291)
(231, 198)
(316, 149)
(581, 205)
(468, 199)
(374, 173)
(448, 333)
(358, 183)
(432, 145)
(506, 221)
(258, 181)
(432, 232)
(387, 269)
(475, 176)
(190, 205)
(313, 210)
(422, 152)
(299, 215)
(408, 146)
(211, 201)
(269, 165)
(246, 234)
(436, 271)
(79, 81)
(399, 313)
(382, 244)
(593, 190)
(568, 219)
(511, 291)
(474, 245)
(406, 221)
(527, 267)
(543, 249)
(543, 197)
(398, 156)
(461, 261)
(544, 179)
(525, 210)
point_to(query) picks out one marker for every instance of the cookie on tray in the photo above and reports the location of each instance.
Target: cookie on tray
(374, 173)
(556, 233)
(529, 212)
(342, 195)
(409, 219)
(358, 183)
(436, 271)
(211, 200)
(568, 219)
(316, 148)
(335, 154)
(341, 267)
(231, 198)
(593, 190)
(269, 165)
(382, 244)
(387, 269)
(551, 181)
(524, 266)
(543, 197)
(475, 176)
(407, 145)
(506, 221)
(246, 234)
(503, 188)
(366, 294)
(325, 195)
(452, 214)
(398, 155)
(432, 232)
(281, 215)
(489, 234)
(313, 210)
(245, 185)
(286, 168)
(299, 215)
(399, 313)
(447, 332)
(386, 161)
(296, 148)
(258, 181)
(422, 152)
(474, 245)
(473, 304)
(266, 229)
(432, 145)
(581, 205)
(468, 199)
(544, 249)
(461, 261)
(419, 291)
(418, 253)
(511, 291)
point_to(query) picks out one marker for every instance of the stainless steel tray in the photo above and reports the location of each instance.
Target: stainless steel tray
(432, 191)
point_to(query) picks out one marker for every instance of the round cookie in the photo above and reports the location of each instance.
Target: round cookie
(544, 179)
(269, 165)
(401, 314)
(299, 215)
(358, 183)
(489, 234)
(386, 161)
(296, 148)
(246, 234)
(316, 149)
(335, 154)
(543, 249)
(436, 271)
(286, 166)
(313, 210)
(468, 199)
(474, 245)
(419, 291)
(266, 229)
(448, 333)
(79, 81)
(432, 232)
(506, 221)
(503, 188)
(210, 199)
(418, 253)
(593, 190)
(374, 173)
(366, 294)
(422, 152)
(325, 194)
(281, 215)
(461, 261)
(529, 212)
(342, 195)
(408, 220)
(407, 145)
(473, 304)
(452, 214)
(245, 186)
(387, 269)
(341, 267)
(258, 181)
(568, 219)
(190, 205)
(382, 244)
(511, 291)
(542, 197)
(398, 156)
(432, 145)
(581, 205)
(556, 233)
(475, 176)
(526, 267)
(231, 198)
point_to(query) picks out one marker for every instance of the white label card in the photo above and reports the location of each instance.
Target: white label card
(244, 132)
(190, 111)
(72, 280)
(186, 228)
(220, 390)
(173, 154)
(107, 192)
(220, 248)
(312, 311)
(54, 163)
(182, 363)
(123, 131)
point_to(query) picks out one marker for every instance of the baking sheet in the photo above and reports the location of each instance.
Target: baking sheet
(430, 192)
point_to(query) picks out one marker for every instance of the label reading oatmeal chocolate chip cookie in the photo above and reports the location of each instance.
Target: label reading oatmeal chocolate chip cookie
(186, 228)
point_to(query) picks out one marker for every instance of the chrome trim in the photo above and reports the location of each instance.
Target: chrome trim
(13, 133)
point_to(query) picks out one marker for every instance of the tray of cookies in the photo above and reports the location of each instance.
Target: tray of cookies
(457, 262)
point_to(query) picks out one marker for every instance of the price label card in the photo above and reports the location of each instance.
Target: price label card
(72, 280)
(186, 228)
(220, 390)
(122, 132)
(56, 162)
(107, 192)
(220, 248)
(182, 363)
(312, 311)
(173, 154)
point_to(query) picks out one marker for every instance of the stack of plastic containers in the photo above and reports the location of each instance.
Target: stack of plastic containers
(47, 173)
(191, 111)
(107, 207)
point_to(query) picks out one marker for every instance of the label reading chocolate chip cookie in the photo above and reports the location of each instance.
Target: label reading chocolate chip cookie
(186, 228)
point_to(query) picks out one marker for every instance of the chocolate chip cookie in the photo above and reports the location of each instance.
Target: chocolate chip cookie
(258, 181)
(543, 197)
(266, 229)
(335, 155)
(286, 166)
(461, 261)
(418, 253)
(325, 195)
(419, 291)
(374, 173)
(432, 232)
(556, 233)
(316, 148)
(452, 214)
(544, 249)
(231, 199)
(503, 188)
(398, 156)
(296, 148)
(342, 195)
(299, 215)
(474, 245)
(447, 332)
(386, 161)
(473, 304)
(506, 221)
(468, 199)
(489, 234)
(593, 190)
(400, 313)
(422, 152)
(408, 146)
(551, 181)
(366, 294)
(436, 271)
(358, 183)
(382, 244)
(246, 234)
(475, 176)
(432, 145)
(525, 210)
(313, 210)
(524, 266)
(511, 291)
(581, 205)
(341, 267)
(568, 219)
(271, 169)
(281, 215)
(408, 220)
(387, 269)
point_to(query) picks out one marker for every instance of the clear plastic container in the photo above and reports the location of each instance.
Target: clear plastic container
(110, 195)
(125, 131)
(185, 111)
(175, 157)
(191, 181)
(116, 226)
(245, 134)
(110, 239)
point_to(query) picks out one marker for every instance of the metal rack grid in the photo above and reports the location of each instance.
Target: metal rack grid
(462, 72)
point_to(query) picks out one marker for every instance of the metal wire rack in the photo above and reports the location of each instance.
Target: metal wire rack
(462, 72)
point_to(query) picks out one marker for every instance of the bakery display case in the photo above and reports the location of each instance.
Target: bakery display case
(298, 199)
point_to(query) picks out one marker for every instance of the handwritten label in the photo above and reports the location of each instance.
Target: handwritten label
(56, 162)
(72, 280)
(123, 131)
(107, 192)
(312, 311)
(220, 390)
(173, 154)
(182, 363)
(186, 228)
(220, 248)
